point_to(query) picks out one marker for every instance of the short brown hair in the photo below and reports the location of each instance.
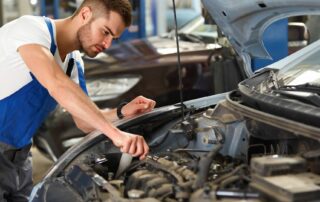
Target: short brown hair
(122, 7)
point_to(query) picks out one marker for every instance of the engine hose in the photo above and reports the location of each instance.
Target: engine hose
(223, 177)
(131, 167)
(165, 169)
(157, 165)
(204, 166)
(154, 183)
(163, 191)
(183, 171)
(134, 178)
(229, 180)
(175, 154)
(185, 177)
(186, 185)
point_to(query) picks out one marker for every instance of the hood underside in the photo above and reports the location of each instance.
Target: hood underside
(243, 22)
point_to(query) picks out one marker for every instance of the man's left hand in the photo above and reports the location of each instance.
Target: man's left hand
(138, 106)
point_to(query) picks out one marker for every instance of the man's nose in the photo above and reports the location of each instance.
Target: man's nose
(107, 41)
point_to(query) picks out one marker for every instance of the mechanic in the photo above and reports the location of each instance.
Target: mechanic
(40, 66)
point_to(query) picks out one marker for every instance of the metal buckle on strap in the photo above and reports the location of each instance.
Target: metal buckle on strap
(13, 154)
(5, 147)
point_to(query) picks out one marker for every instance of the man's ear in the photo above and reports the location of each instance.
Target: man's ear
(85, 14)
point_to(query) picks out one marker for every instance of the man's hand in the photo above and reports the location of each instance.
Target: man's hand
(134, 145)
(138, 106)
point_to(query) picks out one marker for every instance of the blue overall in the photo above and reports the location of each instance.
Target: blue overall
(22, 113)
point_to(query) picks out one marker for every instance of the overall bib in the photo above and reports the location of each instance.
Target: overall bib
(21, 114)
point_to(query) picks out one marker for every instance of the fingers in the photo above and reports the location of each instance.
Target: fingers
(146, 151)
(148, 103)
(142, 149)
(135, 146)
(139, 148)
(126, 147)
(152, 104)
(137, 106)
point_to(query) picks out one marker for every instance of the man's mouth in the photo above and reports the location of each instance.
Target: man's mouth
(99, 48)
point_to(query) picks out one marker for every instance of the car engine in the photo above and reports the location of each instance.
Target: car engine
(216, 154)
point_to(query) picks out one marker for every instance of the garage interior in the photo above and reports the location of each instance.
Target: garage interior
(145, 61)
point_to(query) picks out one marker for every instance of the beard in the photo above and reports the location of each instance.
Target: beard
(84, 39)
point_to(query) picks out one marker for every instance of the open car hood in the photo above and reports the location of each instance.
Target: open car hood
(244, 22)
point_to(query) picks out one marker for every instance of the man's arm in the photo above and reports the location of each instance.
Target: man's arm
(109, 114)
(135, 107)
(70, 96)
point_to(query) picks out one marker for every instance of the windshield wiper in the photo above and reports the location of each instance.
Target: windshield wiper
(308, 93)
(307, 87)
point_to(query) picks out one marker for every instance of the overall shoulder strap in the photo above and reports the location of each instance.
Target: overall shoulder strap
(70, 65)
(72, 61)
(82, 81)
(53, 46)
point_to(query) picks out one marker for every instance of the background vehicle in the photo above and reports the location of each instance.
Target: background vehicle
(257, 143)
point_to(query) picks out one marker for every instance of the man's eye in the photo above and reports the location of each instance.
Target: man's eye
(106, 33)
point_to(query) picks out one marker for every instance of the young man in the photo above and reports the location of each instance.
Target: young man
(40, 67)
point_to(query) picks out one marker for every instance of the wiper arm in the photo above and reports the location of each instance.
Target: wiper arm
(307, 87)
(303, 96)
(308, 92)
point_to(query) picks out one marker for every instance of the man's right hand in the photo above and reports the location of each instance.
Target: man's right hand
(134, 145)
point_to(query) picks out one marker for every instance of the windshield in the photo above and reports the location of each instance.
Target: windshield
(197, 31)
(199, 28)
(305, 71)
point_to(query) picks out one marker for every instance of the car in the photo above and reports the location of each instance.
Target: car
(127, 70)
(143, 67)
(258, 143)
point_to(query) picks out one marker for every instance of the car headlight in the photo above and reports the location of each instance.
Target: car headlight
(110, 88)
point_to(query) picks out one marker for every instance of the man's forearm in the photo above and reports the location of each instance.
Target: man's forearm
(72, 98)
(110, 114)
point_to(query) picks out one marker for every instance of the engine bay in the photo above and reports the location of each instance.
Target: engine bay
(215, 154)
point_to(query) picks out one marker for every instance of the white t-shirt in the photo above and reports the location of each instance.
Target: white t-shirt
(14, 74)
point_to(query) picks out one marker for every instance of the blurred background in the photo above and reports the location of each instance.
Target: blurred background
(146, 21)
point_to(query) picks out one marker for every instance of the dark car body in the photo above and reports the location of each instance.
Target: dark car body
(257, 143)
(158, 70)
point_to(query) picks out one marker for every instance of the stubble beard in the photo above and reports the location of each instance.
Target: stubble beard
(83, 36)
